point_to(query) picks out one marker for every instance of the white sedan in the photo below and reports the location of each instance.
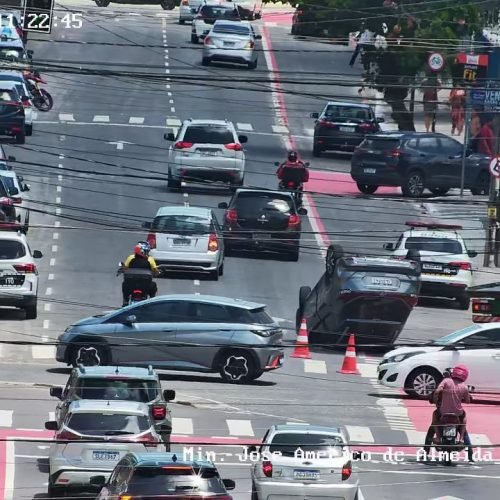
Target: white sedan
(418, 370)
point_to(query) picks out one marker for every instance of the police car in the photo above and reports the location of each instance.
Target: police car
(446, 262)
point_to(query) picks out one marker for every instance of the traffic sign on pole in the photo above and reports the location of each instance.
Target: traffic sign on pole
(495, 167)
(435, 62)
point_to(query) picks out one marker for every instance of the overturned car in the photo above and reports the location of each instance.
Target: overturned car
(369, 296)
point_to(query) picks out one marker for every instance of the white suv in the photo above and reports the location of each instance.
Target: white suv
(446, 262)
(204, 151)
(18, 273)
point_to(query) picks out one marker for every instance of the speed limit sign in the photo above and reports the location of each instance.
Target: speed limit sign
(495, 167)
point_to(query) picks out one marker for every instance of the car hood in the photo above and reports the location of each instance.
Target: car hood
(91, 320)
(406, 350)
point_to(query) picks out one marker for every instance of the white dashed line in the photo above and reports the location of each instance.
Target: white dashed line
(197, 282)
(46, 323)
(52, 262)
(245, 126)
(173, 122)
(62, 156)
(55, 236)
(138, 120)
(280, 129)
(58, 189)
(46, 307)
(172, 109)
(59, 177)
(51, 277)
(58, 211)
(48, 291)
(55, 248)
(101, 118)
(57, 223)
(66, 117)
(58, 200)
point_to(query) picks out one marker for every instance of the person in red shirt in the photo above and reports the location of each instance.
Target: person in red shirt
(486, 139)
(292, 162)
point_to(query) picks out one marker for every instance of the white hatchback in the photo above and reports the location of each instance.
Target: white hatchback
(418, 370)
(206, 151)
(15, 188)
(18, 273)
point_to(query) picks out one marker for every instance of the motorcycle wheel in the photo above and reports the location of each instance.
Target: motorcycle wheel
(44, 102)
(167, 4)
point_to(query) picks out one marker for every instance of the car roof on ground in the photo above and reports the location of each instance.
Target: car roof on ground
(116, 371)
(348, 103)
(182, 210)
(264, 191)
(207, 121)
(105, 406)
(163, 459)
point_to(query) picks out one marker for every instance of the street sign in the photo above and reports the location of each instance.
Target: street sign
(478, 97)
(436, 61)
(495, 167)
(492, 99)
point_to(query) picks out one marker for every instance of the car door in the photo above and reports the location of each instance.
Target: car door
(429, 160)
(145, 341)
(201, 339)
(451, 164)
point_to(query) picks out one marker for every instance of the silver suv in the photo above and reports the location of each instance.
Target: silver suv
(206, 151)
(93, 437)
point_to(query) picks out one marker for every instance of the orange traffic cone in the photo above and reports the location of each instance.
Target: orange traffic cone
(349, 365)
(302, 345)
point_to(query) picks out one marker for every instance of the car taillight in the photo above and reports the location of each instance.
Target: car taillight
(291, 184)
(234, 146)
(185, 2)
(293, 220)
(17, 200)
(367, 127)
(213, 243)
(231, 215)
(327, 124)
(183, 145)
(66, 435)
(465, 266)
(267, 468)
(346, 471)
(208, 41)
(27, 104)
(151, 239)
(478, 307)
(25, 268)
(393, 153)
(159, 412)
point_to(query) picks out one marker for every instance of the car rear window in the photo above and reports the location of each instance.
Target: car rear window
(288, 444)
(143, 391)
(7, 95)
(175, 479)
(379, 144)
(7, 52)
(214, 12)
(340, 113)
(182, 224)
(9, 184)
(208, 134)
(233, 29)
(254, 316)
(108, 424)
(444, 245)
(11, 249)
(254, 203)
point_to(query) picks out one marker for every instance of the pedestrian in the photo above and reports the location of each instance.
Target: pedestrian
(457, 102)
(486, 138)
(430, 100)
(365, 42)
(475, 127)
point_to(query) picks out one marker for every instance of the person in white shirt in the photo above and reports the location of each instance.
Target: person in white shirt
(365, 42)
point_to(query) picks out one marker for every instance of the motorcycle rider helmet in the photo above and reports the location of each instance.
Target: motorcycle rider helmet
(460, 372)
(142, 249)
(293, 156)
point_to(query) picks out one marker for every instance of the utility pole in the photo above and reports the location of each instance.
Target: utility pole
(468, 119)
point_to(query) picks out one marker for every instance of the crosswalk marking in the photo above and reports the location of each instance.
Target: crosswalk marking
(182, 425)
(280, 129)
(309, 131)
(173, 122)
(6, 418)
(101, 118)
(315, 366)
(415, 437)
(479, 440)
(360, 434)
(43, 352)
(139, 120)
(367, 370)
(245, 126)
(240, 427)
(66, 117)
(52, 415)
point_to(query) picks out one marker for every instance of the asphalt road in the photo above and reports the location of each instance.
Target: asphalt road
(90, 194)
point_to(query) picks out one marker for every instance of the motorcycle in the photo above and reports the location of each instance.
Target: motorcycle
(42, 100)
(449, 443)
(294, 183)
(141, 278)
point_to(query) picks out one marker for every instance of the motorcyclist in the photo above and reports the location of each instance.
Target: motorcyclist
(292, 161)
(140, 259)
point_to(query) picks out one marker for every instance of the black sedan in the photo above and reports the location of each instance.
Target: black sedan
(12, 116)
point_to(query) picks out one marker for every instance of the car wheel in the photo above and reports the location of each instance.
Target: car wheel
(221, 270)
(317, 151)
(56, 491)
(237, 367)
(333, 253)
(31, 311)
(438, 191)
(366, 188)
(26, 225)
(194, 38)
(20, 138)
(214, 275)
(464, 302)
(88, 355)
(252, 65)
(422, 382)
(414, 185)
(28, 130)
(482, 185)
(167, 5)
(172, 183)
(205, 61)
(254, 492)
(304, 292)
(181, 21)
(102, 3)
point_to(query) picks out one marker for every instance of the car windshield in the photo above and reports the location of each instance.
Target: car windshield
(232, 29)
(455, 336)
(347, 113)
(441, 245)
(254, 203)
(213, 12)
(9, 183)
(290, 444)
(11, 249)
(143, 391)
(184, 225)
(380, 144)
(107, 424)
(208, 134)
(254, 316)
(175, 479)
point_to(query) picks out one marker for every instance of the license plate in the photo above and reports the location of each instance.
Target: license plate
(208, 152)
(432, 267)
(181, 242)
(228, 44)
(383, 282)
(370, 170)
(346, 129)
(11, 280)
(106, 456)
(450, 432)
(261, 236)
(306, 474)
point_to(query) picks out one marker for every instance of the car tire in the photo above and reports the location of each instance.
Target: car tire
(214, 275)
(31, 311)
(221, 269)
(254, 492)
(28, 130)
(304, 292)
(366, 188)
(20, 138)
(102, 3)
(427, 376)
(414, 184)
(482, 184)
(237, 367)
(294, 254)
(317, 151)
(439, 191)
(205, 61)
(464, 302)
(181, 21)
(102, 353)
(172, 183)
(333, 253)
(194, 38)
(167, 4)
(56, 491)
(252, 65)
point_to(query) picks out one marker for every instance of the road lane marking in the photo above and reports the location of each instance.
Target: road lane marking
(58, 189)
(43, 352)
(48, 291)
(182, 426)
(66, 117)
(9, 473)
(138, 120)
(173, 122)
(245, 126)
(414, 437)
(101, 118)
(46, 307)
(309, 131)
(197, 282)
(55, 236)
(280, 129)
(6, 418)
(46, 324)
(368, 370)
(315, 366)
(58, 200)
(240, 427)
(360, 434)
(479, 440)
(52, 262)
(54, 248)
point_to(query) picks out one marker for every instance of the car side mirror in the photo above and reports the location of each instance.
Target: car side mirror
(243, 139)
(130, 320)
(252, 449)
(223, 205)
(302, 211)
(388, 246)
(30, 53)
(229, 484)
(380, 119)
(13, 191)
(357, 455)
(11, 158)
(169, 137)
(146, 225)
(258, 37)
(98, 480)
(168, 395)
(314, 115)
(56, 392)
(51, 425)
(472, 253)
(37, 254)
(25, 187)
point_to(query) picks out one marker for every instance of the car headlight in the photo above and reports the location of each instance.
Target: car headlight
(401, 357)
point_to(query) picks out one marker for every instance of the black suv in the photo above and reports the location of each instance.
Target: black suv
(268, 220)
(342, 126)
(416, 161)
(12, 119)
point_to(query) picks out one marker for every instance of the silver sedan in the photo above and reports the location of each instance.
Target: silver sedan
(231, 41)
